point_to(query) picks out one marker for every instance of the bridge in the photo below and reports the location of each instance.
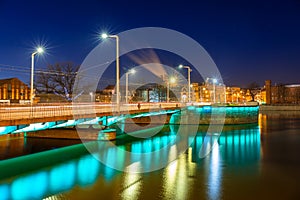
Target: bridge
(20, 119)
(16, 115)
(103, 117)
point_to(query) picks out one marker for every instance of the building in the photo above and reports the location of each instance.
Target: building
(281, 93)
(237, 95)
(153, 92)
(194, 93)
(205, 93)
(210, 92)
(184, 94)
(14, 91)
(106, 94)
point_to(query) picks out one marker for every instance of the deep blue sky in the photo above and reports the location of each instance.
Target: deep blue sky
(248, 40)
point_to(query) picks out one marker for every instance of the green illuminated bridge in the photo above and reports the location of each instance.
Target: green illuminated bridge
(103, 117)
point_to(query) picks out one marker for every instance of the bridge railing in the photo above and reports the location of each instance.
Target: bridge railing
(14, 112)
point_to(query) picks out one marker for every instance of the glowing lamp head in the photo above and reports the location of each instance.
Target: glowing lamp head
(132, 71)
(40, 50)
(215, 80)
(104, 35)
(172, 80)
(180, 66)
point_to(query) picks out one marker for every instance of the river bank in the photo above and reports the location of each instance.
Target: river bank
(279, 108)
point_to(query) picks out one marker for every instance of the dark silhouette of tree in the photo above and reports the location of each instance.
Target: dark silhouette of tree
(254, 89)
(58, 79)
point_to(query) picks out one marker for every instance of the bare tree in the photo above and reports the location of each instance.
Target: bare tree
(254, 89)
(58, 79)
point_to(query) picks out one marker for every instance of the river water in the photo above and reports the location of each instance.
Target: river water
(259, 161)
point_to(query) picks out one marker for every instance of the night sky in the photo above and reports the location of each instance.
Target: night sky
(248, 40)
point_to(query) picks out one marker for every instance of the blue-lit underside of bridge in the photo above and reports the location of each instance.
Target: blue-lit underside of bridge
(96, 122)
(234, 115)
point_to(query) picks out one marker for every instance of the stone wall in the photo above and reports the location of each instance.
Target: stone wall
(215, 115)
(279, 108)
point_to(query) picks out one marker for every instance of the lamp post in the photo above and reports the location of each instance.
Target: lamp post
(225, 94)
(168, 91)
(214, 83)
(104, 36)
(91, 94)
(189, 80)
(38, 50)
(132, 71)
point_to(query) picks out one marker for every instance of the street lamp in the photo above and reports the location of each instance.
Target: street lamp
(132, 71)
(39, 50)
(170, 80)
(225, 94)
(189, 80)
(214, 82)
(104, 36)
(91, 94)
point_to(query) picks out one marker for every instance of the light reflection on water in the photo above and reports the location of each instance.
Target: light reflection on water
(182, 179)
(215, 174)
(132, 186)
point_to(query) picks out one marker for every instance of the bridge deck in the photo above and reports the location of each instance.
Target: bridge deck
(17, 115)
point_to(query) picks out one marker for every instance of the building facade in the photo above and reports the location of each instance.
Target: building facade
(105, 95)
(14, 90)
(212, 93)
(281, 93)
(194, 93)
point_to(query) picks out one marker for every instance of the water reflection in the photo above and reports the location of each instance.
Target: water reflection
(21, 188)
(236, 146)
(132, 186)
(88, 177)
(15, 145)
(5, 191)
(239, 146)
(215, 174)
(175, 185)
